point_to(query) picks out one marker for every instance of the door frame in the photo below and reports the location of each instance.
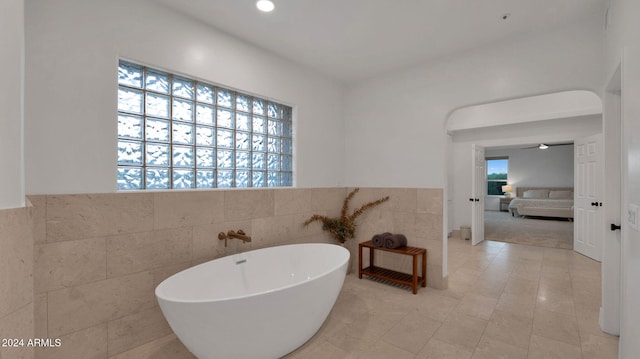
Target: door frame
(462, 122)
(609, 317)
(630, 248)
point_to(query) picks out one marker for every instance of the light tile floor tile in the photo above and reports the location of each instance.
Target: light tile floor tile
(544, 348)
(489, 287)
(521, 286)
(522, 305)
(495, 349)
(504, 300)
(557, 326)
(588, 322)
(555, 301)
(463, 330)
(510, 328)
(323, 350)
(167, 347)
(382, 350)
(598, 347)
(412, 332)
(437, 306)
(559, 282)
(477, 306)
(437, 349)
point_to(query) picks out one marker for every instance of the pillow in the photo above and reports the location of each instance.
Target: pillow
(561, 194)
(536, 193)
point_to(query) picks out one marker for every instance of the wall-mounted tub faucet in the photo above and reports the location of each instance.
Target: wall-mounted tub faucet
(233, 234)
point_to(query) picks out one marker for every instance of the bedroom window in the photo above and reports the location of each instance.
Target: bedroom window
(497, 175)
(177, 132)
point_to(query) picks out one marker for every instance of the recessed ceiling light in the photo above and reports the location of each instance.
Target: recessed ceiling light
(543, 146)
(265, 5)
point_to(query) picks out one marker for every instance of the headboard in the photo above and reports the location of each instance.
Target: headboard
(521, 190)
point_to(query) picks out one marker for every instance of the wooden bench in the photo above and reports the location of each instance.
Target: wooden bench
(387, 274)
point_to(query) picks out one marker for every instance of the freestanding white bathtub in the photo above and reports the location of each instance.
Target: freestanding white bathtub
(259, 304)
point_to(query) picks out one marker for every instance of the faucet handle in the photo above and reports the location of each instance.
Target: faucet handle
(222, 236)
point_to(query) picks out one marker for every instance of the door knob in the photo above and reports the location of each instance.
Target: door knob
(615, 227)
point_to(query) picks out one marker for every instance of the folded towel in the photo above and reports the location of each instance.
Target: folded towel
(395, 241)
(378, 239)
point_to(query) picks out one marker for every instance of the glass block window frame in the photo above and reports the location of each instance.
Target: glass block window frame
(175, 132)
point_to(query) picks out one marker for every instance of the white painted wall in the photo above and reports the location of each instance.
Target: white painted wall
(559, 130)
(552, 167)
(394, 124)
(73, 48)
(11, 114)
(623, 30)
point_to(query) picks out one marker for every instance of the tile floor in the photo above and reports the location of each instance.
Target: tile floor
(504, 301)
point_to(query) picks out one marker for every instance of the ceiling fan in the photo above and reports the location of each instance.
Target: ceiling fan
(544, 146)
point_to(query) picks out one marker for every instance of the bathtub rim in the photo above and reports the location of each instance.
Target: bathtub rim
(264, 292)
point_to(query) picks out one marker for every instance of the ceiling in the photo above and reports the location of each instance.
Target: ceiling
(351, 40)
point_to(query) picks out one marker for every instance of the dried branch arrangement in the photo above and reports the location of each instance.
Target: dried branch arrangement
(344, 227)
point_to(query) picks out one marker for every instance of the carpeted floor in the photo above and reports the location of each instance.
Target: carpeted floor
(542, 232)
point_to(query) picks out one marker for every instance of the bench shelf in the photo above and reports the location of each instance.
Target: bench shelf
(413, 280)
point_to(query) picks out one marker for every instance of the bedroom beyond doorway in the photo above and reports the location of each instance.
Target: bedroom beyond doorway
(541, 232)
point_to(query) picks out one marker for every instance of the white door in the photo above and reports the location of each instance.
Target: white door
(588, 213)
(630, 263)
(478, 190)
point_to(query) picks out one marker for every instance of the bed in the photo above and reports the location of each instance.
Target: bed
(543, 202)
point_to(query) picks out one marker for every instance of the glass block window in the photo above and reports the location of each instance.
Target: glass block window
(176, 132)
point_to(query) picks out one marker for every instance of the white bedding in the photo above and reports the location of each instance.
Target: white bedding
(542, 207)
